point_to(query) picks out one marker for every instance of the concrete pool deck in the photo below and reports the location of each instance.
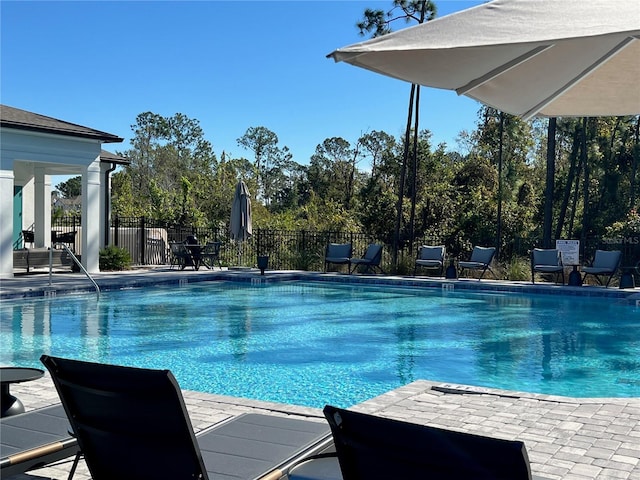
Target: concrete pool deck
(566, 438)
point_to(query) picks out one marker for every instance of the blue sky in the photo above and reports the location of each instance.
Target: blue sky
(230, 65)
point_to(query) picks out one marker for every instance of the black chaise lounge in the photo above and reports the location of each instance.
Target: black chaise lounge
(132, 423)
(370, 447)
(34, 439)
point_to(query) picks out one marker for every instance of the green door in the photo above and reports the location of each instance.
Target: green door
(17, 217)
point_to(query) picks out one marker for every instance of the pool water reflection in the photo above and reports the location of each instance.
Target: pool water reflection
(317, 343)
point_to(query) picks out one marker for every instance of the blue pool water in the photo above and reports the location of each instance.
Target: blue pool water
(317, 343)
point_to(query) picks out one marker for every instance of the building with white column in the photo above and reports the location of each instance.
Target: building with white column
(34, 147)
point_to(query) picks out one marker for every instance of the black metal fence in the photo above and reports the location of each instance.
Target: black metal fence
(147, 241)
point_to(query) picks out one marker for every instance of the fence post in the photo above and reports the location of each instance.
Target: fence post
(142, 240)
(73, 229)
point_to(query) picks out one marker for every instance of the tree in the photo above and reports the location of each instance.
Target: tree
(508, 142)
(549, 184)
(71, 188)
(332, 171)
(379, 22)
(171, 165)
(269, 160)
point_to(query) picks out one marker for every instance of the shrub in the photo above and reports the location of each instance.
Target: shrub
(517, 269)
(114, 258)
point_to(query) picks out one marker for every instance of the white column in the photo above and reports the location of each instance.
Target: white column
(91, 217)
(104, 204)
(42, 207)
(6, 220)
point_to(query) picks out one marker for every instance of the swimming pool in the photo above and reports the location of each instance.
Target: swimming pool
(312, 343)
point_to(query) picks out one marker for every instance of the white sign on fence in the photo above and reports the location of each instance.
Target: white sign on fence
(570, 250)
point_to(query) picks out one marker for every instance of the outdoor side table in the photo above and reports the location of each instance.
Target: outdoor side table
(575, 279)
(9, 404)
(626, 277)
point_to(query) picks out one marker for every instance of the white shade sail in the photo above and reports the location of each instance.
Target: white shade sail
(524, 57)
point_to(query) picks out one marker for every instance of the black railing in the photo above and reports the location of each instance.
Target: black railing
(147, 241)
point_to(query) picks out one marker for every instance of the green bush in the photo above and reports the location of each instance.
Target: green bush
(517, 269)
(405, 266)
(306, 260)
(114, 258)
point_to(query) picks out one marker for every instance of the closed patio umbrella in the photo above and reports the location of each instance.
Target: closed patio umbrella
(240, 223)
(525, 57)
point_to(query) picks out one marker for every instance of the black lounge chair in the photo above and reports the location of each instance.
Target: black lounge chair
(370, 447)
(35, 439)
(547, 260)
(605, 264)
(180, 255)
(370, 261)
(430, 257)
(132, 423)
(338, 254)
(481, 258)
(210, 254)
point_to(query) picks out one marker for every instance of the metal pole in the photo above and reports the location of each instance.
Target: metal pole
(499, 225)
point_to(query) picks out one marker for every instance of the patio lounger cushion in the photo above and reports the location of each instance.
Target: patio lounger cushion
(254, 445)
(34, 439)
(133, 423)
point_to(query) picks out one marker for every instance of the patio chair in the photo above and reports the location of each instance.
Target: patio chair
(180, 255)
(210, 254)
(430, 257)
(605, 263)
(67, 237)
(338, 254)
(371, 259)
(28, 236)
(35, 439)
(369, 447)
(132, 423)
(481, 258)
(547, 260)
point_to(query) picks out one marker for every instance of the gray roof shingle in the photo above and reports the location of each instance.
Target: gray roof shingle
(11, 117)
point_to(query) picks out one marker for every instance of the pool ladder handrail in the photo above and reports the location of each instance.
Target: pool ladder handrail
(77, 262)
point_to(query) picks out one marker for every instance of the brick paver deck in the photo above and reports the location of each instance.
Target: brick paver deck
(566, 438)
